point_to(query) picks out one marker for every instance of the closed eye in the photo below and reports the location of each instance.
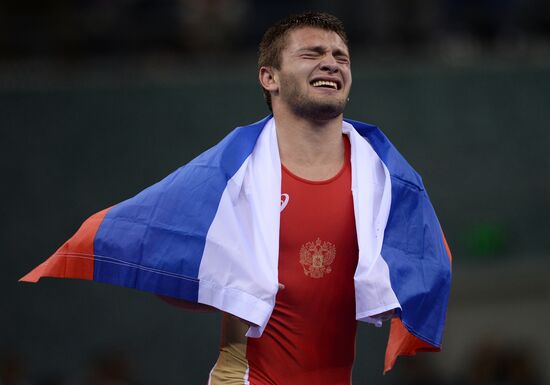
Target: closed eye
(341, 57)
(310, 55)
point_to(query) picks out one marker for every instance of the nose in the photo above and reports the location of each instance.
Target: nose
(329, 64)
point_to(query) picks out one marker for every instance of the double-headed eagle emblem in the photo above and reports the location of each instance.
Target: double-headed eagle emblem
(316, 258)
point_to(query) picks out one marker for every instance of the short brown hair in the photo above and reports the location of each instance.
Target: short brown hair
(273, 41)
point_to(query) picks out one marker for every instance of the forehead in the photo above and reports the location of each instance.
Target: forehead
(305, 37)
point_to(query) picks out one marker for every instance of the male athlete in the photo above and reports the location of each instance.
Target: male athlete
(295, 227)
(304, 69)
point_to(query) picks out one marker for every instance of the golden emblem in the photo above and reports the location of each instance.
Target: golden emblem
(316, 258)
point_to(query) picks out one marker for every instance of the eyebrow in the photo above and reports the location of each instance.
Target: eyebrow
(320, 49)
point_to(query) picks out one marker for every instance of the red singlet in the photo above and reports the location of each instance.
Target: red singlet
(310, 337)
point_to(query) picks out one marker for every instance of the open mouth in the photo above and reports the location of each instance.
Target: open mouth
(326, 84)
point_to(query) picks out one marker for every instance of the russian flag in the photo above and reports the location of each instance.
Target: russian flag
(208, 233)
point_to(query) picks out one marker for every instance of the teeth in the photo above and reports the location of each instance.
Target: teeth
(320, 83)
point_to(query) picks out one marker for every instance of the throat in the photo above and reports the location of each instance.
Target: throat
(310, 150)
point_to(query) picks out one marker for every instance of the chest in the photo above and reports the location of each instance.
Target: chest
(318, 242)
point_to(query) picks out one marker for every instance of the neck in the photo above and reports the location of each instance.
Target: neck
(313, 150)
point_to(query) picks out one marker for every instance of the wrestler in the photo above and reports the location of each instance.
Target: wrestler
(295, 227)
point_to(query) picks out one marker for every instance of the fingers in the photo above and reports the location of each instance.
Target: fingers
(281, 287)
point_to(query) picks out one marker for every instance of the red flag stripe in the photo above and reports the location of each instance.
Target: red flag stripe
(75, 259)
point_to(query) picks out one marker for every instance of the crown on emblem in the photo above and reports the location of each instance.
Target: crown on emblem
(316, 258)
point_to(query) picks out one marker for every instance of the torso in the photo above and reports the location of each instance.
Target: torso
(310, 337)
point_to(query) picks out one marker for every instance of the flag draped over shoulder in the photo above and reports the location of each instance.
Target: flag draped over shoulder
(209, 233)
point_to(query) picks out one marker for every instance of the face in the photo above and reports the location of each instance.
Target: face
(315, 75)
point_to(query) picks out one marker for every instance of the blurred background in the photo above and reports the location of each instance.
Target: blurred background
(99, 99)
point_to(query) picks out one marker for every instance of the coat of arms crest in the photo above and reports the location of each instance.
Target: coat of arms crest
(316, 258)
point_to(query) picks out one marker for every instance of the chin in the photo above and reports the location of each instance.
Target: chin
(319, 110)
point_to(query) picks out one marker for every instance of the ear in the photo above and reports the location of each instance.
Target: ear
(268, 79)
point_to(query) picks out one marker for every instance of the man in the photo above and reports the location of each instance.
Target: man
(304, 69)
(295, 227)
